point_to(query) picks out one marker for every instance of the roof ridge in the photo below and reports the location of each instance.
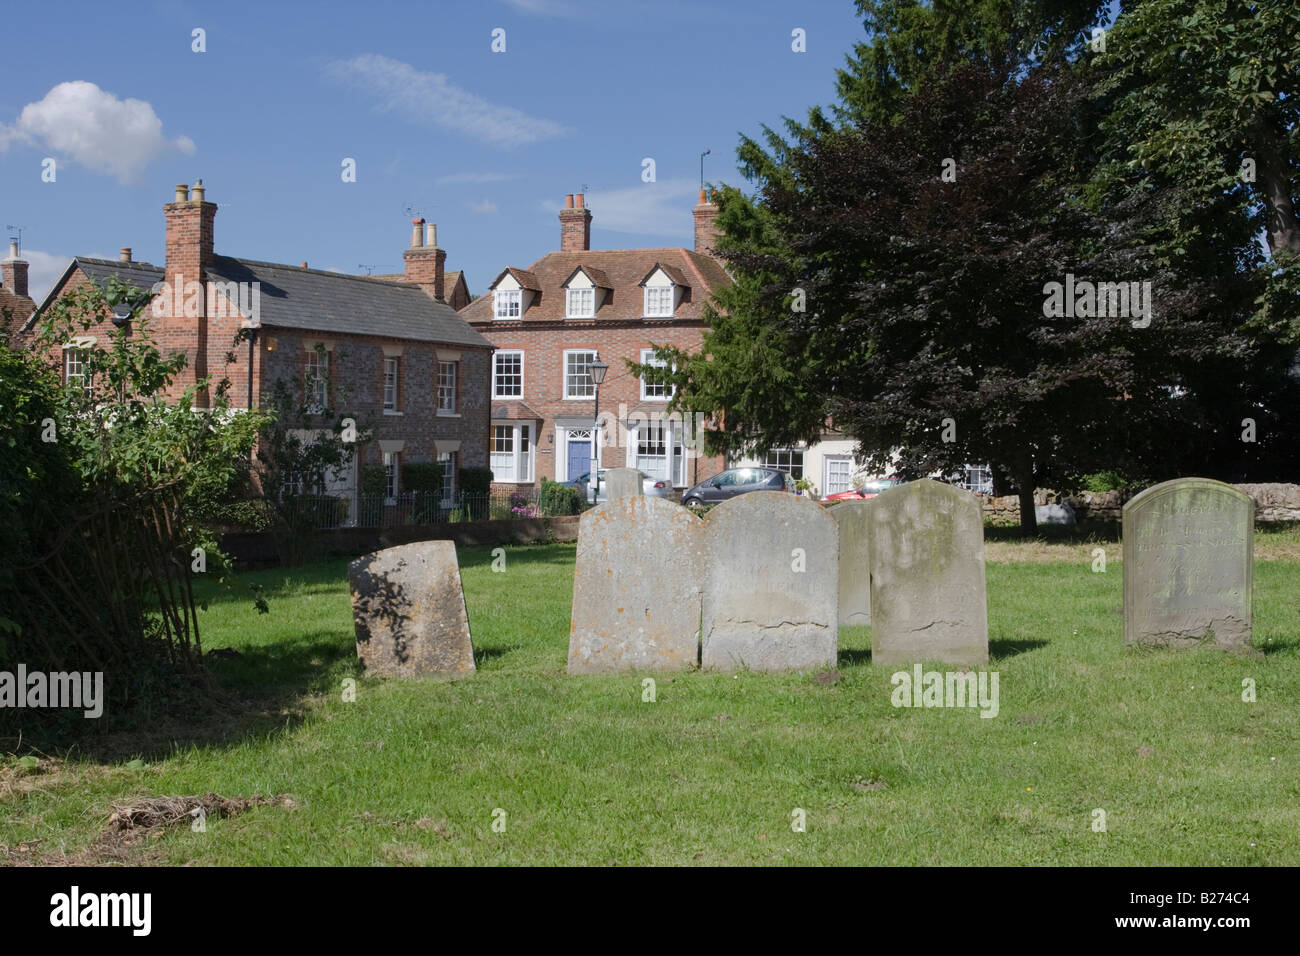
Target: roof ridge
(324, 272)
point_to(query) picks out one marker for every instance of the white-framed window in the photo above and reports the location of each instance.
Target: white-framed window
(391, 485)
(977, 478)
(659, 451)
(512, 452)
(448, 462)
(509, 303)
(580, 303)
(654, 387)
(390, 384)
(659, 301)
(74, 370)
(508, 374)
(789, 460)
(577, 374)
(447, 388)
(838, 476)
(318, 379)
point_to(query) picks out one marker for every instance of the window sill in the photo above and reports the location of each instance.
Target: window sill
(579, 398)
(507, 398)
(389, 411)
(448, 415)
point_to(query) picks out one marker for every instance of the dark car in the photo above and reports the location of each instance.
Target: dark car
(736, 481)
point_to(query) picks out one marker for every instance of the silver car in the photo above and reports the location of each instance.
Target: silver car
(650, 487)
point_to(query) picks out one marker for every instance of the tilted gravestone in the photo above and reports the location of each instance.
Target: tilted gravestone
(1189, 564)
(636, 588)
(927, 576)
(770, 584)
(408, 611)
(855, 560)
(622, 483)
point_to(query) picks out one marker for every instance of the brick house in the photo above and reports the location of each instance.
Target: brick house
(15, 304)
(551, 321)
(388, 351)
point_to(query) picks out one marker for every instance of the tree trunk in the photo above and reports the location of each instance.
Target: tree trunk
(1025, 490)
(1275, 189)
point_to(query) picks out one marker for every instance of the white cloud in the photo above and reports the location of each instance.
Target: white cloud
(475, 178)
(485, 208)
(661, 208)
(432, 99)
(93, 127)
(43, 270)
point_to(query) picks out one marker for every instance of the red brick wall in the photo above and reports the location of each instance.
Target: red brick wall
(544, 344)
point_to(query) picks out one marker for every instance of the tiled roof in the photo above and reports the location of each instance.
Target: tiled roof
(671, 272)
(318, 301)
(597, 276)
(624, 269)
(18, 307)
(142, 275)
(525, 279)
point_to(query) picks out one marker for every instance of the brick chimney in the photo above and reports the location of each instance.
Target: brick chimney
(189, 218)
(425, 262)
(13, 272)
(189, 234)
(575, 224)
(125, 254)
(706, 230)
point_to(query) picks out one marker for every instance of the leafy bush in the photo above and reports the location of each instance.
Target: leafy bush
(422, 476)
(1104, 481)
(558, 499)
(374, 480)
(475, 487)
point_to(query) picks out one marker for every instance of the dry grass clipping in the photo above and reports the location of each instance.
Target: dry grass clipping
(160, 812)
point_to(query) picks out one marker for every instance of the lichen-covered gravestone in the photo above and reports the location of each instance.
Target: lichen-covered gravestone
(1189, 564)
(771, 582)
(855, 561)
(622, 483)
(409, 611)
(636, 588)
(927, 576)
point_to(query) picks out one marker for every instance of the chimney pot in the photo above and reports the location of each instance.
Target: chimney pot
(568, 200)
(580, 198)
(431, 234)
(13, 248)
(304, 264)
(199, 191)
(125, 255)
(182, 192)
(417, 232)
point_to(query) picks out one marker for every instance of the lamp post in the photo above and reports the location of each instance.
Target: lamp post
(596, 370)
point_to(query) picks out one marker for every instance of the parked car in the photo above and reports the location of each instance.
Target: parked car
(736, 481)
(650, 487)
(864, 491)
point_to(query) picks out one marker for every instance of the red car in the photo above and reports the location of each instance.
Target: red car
(868, 490)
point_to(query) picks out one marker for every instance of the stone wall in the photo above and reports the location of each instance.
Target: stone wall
(1274, 502)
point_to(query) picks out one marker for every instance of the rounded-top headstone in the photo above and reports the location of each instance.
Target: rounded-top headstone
(1189, 564)
(927, 576)
(851, 517)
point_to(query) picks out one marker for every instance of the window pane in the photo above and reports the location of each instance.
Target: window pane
(509, 375)
(577, 375)
(390, 384)
(446, 386)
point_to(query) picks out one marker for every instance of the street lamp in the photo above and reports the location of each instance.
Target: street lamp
(596, 370)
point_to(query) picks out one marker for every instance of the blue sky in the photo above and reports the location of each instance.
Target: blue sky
(484, 144)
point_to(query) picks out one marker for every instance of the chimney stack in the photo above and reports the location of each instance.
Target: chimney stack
(425, 263)
(125, 254)
(706, 230)
(13, 271)
(575, 224)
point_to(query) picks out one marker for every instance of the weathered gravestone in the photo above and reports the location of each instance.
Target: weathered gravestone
(1189, 564)
(855, 561)
(636, 587)
(927, 576)
(409, 611)
(770, 584)
(622, 483)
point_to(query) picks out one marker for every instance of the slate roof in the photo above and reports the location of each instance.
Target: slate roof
(623, 269)
(314, 300)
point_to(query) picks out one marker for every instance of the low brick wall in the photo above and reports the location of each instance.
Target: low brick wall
(258, 548)
(1274, 502)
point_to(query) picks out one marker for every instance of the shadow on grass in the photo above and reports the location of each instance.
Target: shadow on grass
(1001, 648)
(483, 654)
(853, 656)
(1085, 532)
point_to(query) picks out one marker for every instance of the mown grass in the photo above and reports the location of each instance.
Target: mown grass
(710, 772)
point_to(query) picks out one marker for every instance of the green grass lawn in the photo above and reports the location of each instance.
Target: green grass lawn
(710, 772)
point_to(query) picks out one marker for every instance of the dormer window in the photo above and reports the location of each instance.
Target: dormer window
(509, 303)
(659, 301)
(580, 304)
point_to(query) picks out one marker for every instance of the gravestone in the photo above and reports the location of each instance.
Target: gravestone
(636, 587)
(927, 576)
(1189, 565)
(771, 582)
(408, 611)
(855, 561)
(622, 483)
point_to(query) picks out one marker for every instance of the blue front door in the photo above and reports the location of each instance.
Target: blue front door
(579, 459)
